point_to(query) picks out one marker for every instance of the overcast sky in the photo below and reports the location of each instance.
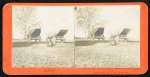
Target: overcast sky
(54, 18)
(115, 18)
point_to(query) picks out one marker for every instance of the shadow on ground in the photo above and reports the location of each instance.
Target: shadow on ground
(26, 44)
(89, 42)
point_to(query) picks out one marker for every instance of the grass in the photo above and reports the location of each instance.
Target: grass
(33, 54)
(103, 54)
(84, 53)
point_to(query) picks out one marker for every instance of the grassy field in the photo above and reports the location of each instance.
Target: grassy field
(82, 53)
(103, 54)
(40, 55)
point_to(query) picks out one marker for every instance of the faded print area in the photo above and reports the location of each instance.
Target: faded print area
(76, 36)
(107, 36)
(38, 38)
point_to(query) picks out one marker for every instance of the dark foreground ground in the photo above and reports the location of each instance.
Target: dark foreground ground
(82, 53)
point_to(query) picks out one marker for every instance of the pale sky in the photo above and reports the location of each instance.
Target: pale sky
(54, 18)
(117, 17)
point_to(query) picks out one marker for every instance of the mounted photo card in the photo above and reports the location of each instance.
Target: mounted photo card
(75, 38)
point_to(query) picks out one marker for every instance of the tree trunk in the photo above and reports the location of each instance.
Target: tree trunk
(26, 32)
(89, 30)
(85, 34)
(89, 33)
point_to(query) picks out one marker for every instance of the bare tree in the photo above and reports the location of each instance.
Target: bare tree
(86, 18)
(24, 17)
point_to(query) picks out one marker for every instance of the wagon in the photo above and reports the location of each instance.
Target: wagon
(58, 37)
(98, 33)
(34, 34)
(123, 34)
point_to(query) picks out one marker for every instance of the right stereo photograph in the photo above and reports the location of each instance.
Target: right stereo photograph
(107, 36)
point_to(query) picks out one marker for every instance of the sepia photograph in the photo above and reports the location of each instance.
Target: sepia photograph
(42, 36)
(76, 36)
(107, 36)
